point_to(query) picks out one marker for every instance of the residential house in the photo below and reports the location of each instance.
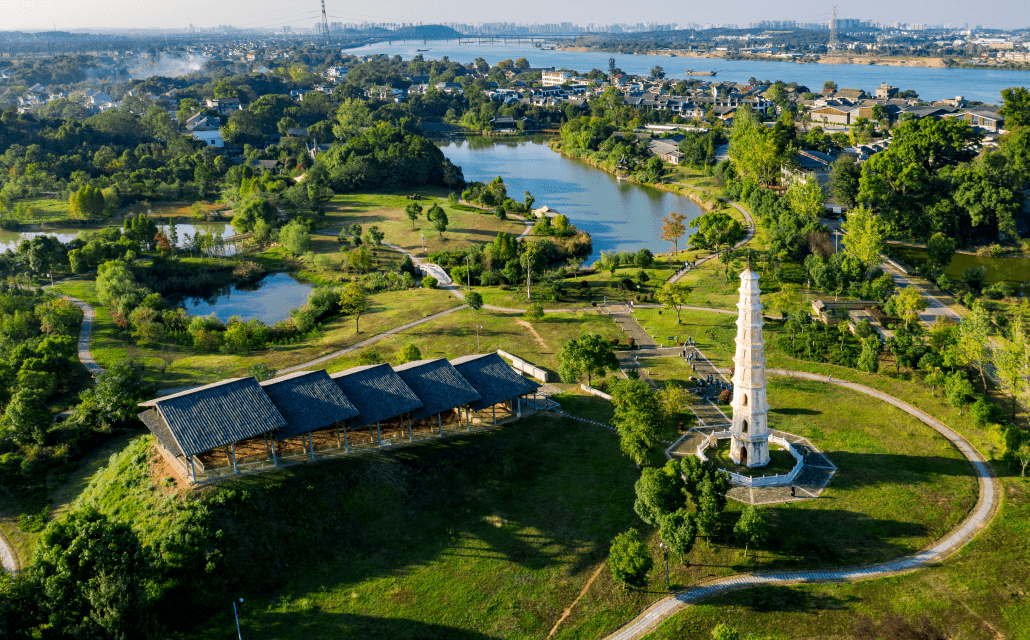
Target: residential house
(224, 106)
(807, 163)
(667, 149)
(552, 78)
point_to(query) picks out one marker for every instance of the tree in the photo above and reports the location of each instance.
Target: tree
(521, 64)
(940, 249)
(709, 508)
(88, 202)
(438, 217)
(1012, 362)
(751, 529)
(866, 236)
(673, 229)
(58, 316)
(909, 303)
(675, 295)
(474, 300)
(1015, 107)
(261, 371)
(413, 211)
(629, 559)
(608, 262)
(806, 199)
(974, 341)
(374, 236)
(715, 229)
(678, 530)
(869, 358)
(535, 312)
(590, 354)
(410, 353)
(296, 237)
(370, 356)
(93, 577)
(844, 178)
(659, 492)
(786, 300)
(1022, 454)
(114, 399)
(247, 216)
(27, 417)
(958, 390)
(725, 632)
(354, 301)
(638, 418)
(114, 279)
(657, 72)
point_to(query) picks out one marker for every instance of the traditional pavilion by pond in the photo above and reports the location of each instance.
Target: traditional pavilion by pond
(241, 424)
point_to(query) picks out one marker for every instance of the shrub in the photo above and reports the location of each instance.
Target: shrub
(629, 559)
(429, 282)
(535, 312)
(490, 278)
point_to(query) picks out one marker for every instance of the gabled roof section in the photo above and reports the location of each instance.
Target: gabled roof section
(217, 414)
(159, 428)
(308, 400)
(438, 385)
(377, 392)
(493, 378)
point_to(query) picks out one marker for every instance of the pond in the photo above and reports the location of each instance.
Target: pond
(11, 239)
(269, 300)
(617, 215)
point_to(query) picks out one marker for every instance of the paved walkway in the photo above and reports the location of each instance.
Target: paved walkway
(982, 513)
(86, 335)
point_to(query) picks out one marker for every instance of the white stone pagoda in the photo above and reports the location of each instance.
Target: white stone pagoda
(749, 433)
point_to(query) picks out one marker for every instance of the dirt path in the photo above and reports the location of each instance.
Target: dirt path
(539, 340)
(582, 592)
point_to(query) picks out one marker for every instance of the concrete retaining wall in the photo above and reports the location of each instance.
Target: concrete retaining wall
(522, 366)
(596, 392)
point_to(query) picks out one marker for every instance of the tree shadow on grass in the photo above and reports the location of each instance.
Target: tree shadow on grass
(318, 624)
(871, 469)
(785, 598)
(795, 412)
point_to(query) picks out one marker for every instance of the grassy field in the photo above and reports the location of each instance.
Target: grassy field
(387, 212)
(980, 592)
(171, 365)
(44, 209)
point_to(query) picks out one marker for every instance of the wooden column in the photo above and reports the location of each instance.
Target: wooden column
(468, 420)
(379, 434)
(235, 469)
(311, 443)
(411, 432)
(346, 443)
(439, 421)
(339, 444)
(275, 458)
(193, 472)
(495, 414)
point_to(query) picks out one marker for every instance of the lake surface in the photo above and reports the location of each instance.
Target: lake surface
(984, 85)
(269, 300)
(617, 215)
(11, 239)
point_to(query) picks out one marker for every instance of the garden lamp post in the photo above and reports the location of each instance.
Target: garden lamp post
(478, 327)
(468, 271)
(423, 244)
(665, 549)
(236, 613)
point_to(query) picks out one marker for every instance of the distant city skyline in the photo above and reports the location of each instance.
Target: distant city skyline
(67, 15)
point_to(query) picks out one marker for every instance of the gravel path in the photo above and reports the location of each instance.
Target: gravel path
(978, 519)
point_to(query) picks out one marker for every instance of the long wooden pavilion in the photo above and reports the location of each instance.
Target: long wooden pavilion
(241, 424)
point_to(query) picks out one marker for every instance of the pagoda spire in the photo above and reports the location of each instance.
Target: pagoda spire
(749, 432)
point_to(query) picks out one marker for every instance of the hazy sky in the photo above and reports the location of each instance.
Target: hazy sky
(75, 14)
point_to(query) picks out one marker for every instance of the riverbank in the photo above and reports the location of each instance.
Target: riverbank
(932, 62)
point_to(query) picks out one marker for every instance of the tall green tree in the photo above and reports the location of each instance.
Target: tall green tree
(354, 301)
(678, 530)
(590, 355)
(974, 340)
(673, 229)
(751, 528)
(675, 295)
(844, 178)
(866, 236)
(629, 559)
(659, 492)
(413, 211)
(638, 418)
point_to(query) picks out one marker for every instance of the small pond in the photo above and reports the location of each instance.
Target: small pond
(269, 300)
(11, 239)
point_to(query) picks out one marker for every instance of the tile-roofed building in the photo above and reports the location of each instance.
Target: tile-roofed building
(216, 415)
(438, 385)
(493, 379)
(377, 392)
(309, 400)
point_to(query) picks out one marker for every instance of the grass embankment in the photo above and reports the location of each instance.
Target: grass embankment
(979, 592)
(495, 534)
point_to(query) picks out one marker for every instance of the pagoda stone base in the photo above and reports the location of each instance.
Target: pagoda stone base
(750, 454)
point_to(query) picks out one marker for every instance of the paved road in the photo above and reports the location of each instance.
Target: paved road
(86, 336)
(984, 510)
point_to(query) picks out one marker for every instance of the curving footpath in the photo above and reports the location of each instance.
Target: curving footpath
(982, 513)
(86, 335)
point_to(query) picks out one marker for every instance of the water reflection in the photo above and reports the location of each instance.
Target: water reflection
(269, 300)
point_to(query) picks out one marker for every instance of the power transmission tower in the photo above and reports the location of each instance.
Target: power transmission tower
(325, 24)
(834, 42)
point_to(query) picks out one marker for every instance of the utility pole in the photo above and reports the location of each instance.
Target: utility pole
(834, 42)
(529, 270)
(239, 633)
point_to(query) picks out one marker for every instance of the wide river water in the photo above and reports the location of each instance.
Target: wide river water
(984, 85)
(617, 215)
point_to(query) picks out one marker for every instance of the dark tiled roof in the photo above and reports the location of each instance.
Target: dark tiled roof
(308, 400)
(438, 385)
(377, 392)
(159, 428)
(218, 414)
(493, 378)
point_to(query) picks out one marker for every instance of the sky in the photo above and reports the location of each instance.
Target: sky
(77, 14)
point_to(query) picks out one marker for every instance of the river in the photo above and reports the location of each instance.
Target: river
(617, 215)
(984, 85)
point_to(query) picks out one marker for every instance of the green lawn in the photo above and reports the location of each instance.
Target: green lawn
(44, 209)
(387, 212)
